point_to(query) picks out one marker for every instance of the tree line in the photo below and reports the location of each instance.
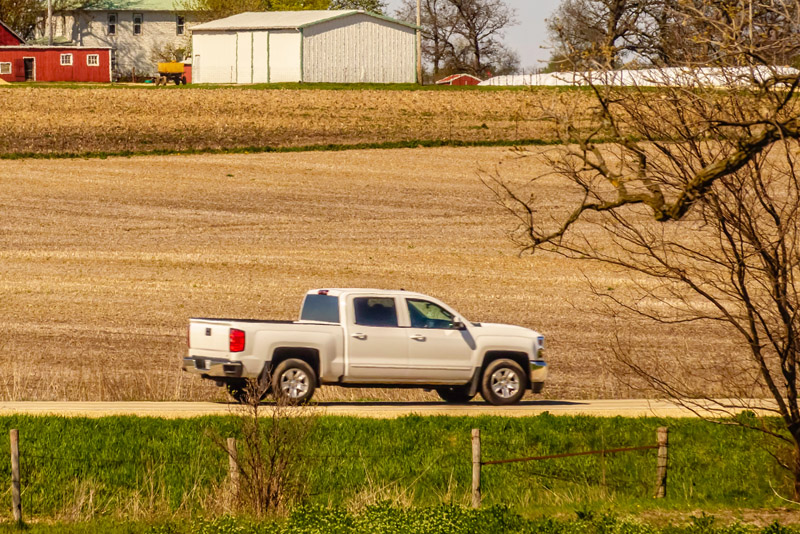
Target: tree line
(667, 33)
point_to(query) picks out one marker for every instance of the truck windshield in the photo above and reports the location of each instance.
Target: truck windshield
(321, 308)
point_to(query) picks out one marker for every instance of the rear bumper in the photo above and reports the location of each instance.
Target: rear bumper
(212, 367)
(538, 374)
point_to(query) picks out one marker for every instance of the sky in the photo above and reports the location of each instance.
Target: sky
(529, 36)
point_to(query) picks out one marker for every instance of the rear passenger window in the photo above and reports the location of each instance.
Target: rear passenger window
(372, 311)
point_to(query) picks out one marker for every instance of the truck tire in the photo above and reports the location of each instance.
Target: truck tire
(455, 394)
(503, 382)
(294, 381)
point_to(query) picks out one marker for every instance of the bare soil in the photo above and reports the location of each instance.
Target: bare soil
(102, 263)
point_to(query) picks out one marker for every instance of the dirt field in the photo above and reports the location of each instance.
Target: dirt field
(102, 262)
(113, 120)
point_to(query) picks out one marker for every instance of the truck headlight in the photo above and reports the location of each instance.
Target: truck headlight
(539, 348)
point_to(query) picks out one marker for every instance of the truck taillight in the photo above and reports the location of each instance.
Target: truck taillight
(236, 340)
(189, 336)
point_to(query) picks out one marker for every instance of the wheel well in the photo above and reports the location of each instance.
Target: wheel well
(520, 357)
(310, 356)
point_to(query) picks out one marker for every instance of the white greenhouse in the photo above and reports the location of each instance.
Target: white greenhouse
(344, 46)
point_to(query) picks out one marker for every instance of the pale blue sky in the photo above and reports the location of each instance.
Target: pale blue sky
(529, 36)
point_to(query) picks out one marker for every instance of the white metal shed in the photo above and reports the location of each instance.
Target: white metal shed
(341, 46)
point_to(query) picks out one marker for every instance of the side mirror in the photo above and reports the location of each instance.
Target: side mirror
(458, 325)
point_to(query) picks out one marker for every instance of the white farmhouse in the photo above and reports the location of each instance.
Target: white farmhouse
(132, 28)
(341, 46)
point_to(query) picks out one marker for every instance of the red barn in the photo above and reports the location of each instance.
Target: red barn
(22, 63)
(460, 79)
(55, 64)
(8, 37)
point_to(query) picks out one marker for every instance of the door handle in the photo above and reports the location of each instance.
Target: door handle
(417, 337)
(359, 336)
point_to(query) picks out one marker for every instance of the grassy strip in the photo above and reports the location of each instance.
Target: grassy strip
(428, 143)
(293, 87)
(117, 465)
(385, 519)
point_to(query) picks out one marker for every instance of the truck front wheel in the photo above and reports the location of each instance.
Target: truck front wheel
(503, 382)
(294, 381)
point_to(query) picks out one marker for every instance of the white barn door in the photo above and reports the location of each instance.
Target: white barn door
(244, 57)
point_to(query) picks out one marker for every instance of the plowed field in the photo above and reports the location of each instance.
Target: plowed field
(102, 262)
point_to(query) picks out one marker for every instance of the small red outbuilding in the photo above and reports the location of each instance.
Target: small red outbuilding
(460, 79)
(20, 62)
(55, 64)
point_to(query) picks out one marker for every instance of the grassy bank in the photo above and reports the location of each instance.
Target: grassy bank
(138, 468)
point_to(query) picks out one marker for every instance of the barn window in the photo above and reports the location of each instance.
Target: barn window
(137, 24)
(93, 60)
(180, 24)
(66, 59)
(5, 68)
(112, 24)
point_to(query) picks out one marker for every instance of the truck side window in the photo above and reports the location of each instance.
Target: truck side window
(426, 314)
(372, 311)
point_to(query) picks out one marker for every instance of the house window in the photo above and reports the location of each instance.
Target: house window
(180, 25)
(93, 60)
(114, 60)
(5, 68)
(66, 59)
(137, 25)
(112, 24)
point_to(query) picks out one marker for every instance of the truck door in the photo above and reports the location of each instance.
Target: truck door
(437, 351)
(377, 346)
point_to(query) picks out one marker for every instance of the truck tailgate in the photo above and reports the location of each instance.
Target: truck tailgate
(209, 335)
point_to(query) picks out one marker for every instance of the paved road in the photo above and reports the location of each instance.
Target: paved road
(605, 408)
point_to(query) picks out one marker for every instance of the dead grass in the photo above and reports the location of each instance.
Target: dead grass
(102, 262)
(114, 120)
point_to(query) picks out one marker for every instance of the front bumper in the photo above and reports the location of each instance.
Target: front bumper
(212, 367)
(538, 374)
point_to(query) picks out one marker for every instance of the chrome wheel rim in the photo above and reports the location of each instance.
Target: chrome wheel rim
(294, 383)
(504, 383)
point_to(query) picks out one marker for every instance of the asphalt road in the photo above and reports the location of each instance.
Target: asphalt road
(604, 408)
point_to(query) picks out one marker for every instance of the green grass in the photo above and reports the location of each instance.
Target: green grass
(429, 143)
(290, 86)
(174, 464)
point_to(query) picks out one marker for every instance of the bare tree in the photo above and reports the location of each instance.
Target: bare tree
(438, 28)
(481, 23)
(464, 35)
(695, 191)
(588, 33)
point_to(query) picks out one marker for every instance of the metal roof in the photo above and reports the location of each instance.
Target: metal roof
(286, 20)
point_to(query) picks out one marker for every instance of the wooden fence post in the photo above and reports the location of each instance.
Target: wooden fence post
(233, 465)
(661, 465)
(16, 500)
(476, 468)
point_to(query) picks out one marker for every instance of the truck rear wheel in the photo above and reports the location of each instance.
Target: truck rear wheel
(503, 382)
(455, 394)
(294, 381)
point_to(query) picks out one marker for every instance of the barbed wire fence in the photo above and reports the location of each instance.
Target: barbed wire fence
(23, 466)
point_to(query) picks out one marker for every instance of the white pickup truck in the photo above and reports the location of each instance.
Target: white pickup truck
(370, 338)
